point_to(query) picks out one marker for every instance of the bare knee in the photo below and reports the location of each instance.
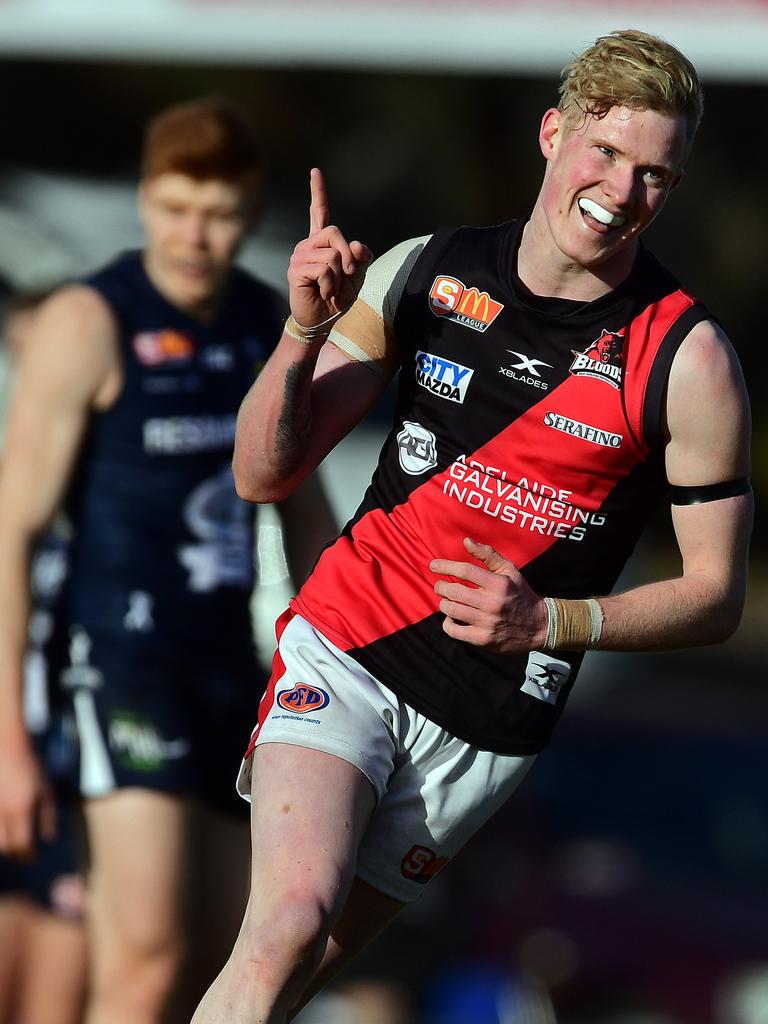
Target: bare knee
(283, 941)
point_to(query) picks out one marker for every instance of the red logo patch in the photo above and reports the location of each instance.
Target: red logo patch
(421, 864)
(466, 306)
(153, 348)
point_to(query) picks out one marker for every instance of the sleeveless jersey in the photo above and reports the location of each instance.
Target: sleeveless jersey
(530, 424)
(163, 546)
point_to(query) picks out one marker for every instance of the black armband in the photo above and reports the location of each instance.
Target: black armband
(709, 492)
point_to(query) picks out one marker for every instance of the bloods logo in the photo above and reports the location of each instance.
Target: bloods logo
(601, 359)
(153, 348)
(442, 376)
(466, 306)
(421, 864)
(303, 698)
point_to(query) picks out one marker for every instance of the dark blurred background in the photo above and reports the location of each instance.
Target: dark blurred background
(627, 882)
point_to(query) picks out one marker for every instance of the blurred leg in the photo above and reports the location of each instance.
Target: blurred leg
(14, 918)
(136, 848)
(53, 980)
(217, 875)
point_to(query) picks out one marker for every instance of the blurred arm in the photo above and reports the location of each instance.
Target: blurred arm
(309, 526)
(68, 366)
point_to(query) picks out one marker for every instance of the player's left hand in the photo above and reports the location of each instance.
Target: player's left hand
(495, 607)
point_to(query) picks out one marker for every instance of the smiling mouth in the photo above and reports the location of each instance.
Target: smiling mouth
(598, 213)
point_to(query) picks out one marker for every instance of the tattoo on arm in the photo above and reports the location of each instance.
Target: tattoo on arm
(293, 426)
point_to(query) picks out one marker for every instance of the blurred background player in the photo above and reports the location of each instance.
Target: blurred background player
(42, 937)
(124, 416)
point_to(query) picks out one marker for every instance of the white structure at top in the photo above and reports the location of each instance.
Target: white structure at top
(726, 40)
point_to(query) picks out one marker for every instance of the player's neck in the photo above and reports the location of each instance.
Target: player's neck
(547, 271)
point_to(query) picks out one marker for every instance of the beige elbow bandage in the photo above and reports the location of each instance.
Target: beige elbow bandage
(573, 625)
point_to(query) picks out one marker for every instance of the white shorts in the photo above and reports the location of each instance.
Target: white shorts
(433, 791)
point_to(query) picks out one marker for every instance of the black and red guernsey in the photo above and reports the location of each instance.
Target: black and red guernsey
(527, 423)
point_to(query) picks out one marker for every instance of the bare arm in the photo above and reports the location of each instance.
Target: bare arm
(67, 368)
(708, 426)
(308, 396)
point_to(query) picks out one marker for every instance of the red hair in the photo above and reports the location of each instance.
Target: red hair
(203, 139)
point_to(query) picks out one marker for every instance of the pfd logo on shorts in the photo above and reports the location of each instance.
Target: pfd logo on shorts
(443, 377)
(156, 347)
(417, 447)
(469, 307)
(421, 864)
(601, 359)
(303, 698)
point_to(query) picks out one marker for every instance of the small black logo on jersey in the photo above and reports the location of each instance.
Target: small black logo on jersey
(601, 359)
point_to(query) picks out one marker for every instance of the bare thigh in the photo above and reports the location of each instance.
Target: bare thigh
(308, 813)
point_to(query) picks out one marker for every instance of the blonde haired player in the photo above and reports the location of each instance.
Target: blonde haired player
(554, 382)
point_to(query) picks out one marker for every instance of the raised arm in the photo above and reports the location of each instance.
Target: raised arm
(707, 459)
(310, 394)
(68, 366)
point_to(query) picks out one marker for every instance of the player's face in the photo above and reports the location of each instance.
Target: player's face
(193, 230)
(606, 181)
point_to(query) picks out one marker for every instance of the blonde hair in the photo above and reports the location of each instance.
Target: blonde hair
(631, 69)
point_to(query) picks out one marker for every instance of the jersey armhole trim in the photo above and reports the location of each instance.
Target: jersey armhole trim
(656, 389)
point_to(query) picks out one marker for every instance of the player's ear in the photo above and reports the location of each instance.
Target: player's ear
(551, 129)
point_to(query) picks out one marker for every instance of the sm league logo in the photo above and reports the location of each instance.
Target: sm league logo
(451, 298)
(302, 699)
(421, 864)
(601, 359)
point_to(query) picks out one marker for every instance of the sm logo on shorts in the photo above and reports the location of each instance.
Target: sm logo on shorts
(421, 864)
(303, 698)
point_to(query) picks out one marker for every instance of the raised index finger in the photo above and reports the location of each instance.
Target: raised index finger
(318, 207)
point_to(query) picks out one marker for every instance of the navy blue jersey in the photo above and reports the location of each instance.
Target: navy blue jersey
(163, 547)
